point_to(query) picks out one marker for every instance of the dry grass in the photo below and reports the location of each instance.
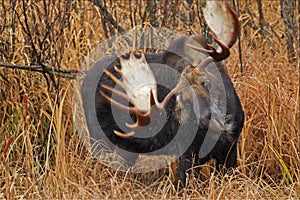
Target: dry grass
(46, 158)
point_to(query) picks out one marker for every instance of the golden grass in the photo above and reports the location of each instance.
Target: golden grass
(46, 158)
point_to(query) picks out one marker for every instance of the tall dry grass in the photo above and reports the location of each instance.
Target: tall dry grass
(46, 158)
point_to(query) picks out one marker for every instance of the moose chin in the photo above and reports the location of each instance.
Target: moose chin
(197, 117)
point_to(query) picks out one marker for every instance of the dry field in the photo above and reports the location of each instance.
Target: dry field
(42, 155)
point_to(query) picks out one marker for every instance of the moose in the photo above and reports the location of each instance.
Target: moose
(197, 117)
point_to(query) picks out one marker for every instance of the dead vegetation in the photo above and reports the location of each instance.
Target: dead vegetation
(41, 153)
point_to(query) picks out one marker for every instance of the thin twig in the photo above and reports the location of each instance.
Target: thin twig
(72, 74)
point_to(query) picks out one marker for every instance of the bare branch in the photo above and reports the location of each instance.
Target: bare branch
(72, 74)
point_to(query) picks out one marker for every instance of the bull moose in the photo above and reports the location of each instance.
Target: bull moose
(198, 116)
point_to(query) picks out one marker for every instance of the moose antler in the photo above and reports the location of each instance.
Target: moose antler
(224, 23)
(141, 91)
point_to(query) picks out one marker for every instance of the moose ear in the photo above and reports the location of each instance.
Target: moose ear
(223, 21)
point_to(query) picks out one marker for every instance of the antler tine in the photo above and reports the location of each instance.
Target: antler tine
(117, 104)
(115, 79)
(217, 56)
(119, 93)
(201, 50)
(167, 99)
(118, 70)
(125, 135)
(131, 110)
(142, 120)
